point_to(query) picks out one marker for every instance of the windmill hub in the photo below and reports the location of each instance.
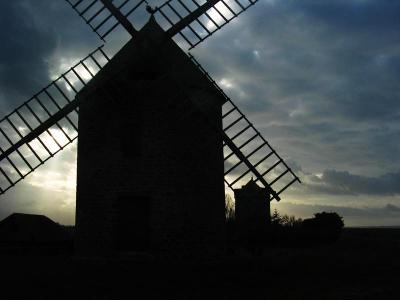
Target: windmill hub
(151, 10)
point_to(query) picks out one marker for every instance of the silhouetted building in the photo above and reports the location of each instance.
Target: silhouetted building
(150, 172)
(26, 232)
(150, 164)
(252, 210)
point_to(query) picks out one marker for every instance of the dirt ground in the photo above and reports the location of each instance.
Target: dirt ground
(362, 264)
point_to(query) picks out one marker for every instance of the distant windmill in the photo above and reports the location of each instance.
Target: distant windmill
(155, 131)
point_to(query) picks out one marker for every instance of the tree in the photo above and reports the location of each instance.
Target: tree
(284, 220)
(276, 219)
(326, 226)
(229, 208)
(330, 219)
(292, 221)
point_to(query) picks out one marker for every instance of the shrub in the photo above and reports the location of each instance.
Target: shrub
(278, 220)
(326, 226)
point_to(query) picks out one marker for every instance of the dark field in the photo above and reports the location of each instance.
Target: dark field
(362, 264)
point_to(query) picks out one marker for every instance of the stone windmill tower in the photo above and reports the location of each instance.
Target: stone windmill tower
(157, 136)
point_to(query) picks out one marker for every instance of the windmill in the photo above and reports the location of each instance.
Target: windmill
(158, 138)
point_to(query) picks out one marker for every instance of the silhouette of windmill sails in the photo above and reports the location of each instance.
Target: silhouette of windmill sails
(155, 131)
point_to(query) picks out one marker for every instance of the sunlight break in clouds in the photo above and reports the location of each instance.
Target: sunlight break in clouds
(226, 83)
(62, 64)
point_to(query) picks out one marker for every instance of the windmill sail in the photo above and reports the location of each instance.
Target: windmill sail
(249, 153)
(191, 20)
(196, 20)
(103, 16)
(45, 124)
(28, 145)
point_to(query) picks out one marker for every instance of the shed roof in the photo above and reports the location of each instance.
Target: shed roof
(19, 227)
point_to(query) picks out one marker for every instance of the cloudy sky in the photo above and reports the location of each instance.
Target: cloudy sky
(319, 79)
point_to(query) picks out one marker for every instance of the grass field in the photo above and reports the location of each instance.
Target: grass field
(362, 264)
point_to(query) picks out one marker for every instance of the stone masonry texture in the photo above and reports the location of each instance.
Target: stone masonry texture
(150, 160)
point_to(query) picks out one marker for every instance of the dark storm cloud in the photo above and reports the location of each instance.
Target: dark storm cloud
(346, 59)
(320, 78)
(351, 15)
(24, 50)
(32, 34)
(343, 183)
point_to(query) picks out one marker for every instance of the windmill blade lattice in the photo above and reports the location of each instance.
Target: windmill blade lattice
(30, 145)
(246, 152)
(100, 19)
(196, 20)
(192, 21)
(45, 124)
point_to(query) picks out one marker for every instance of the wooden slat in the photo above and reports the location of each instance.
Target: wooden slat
(44, 125)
